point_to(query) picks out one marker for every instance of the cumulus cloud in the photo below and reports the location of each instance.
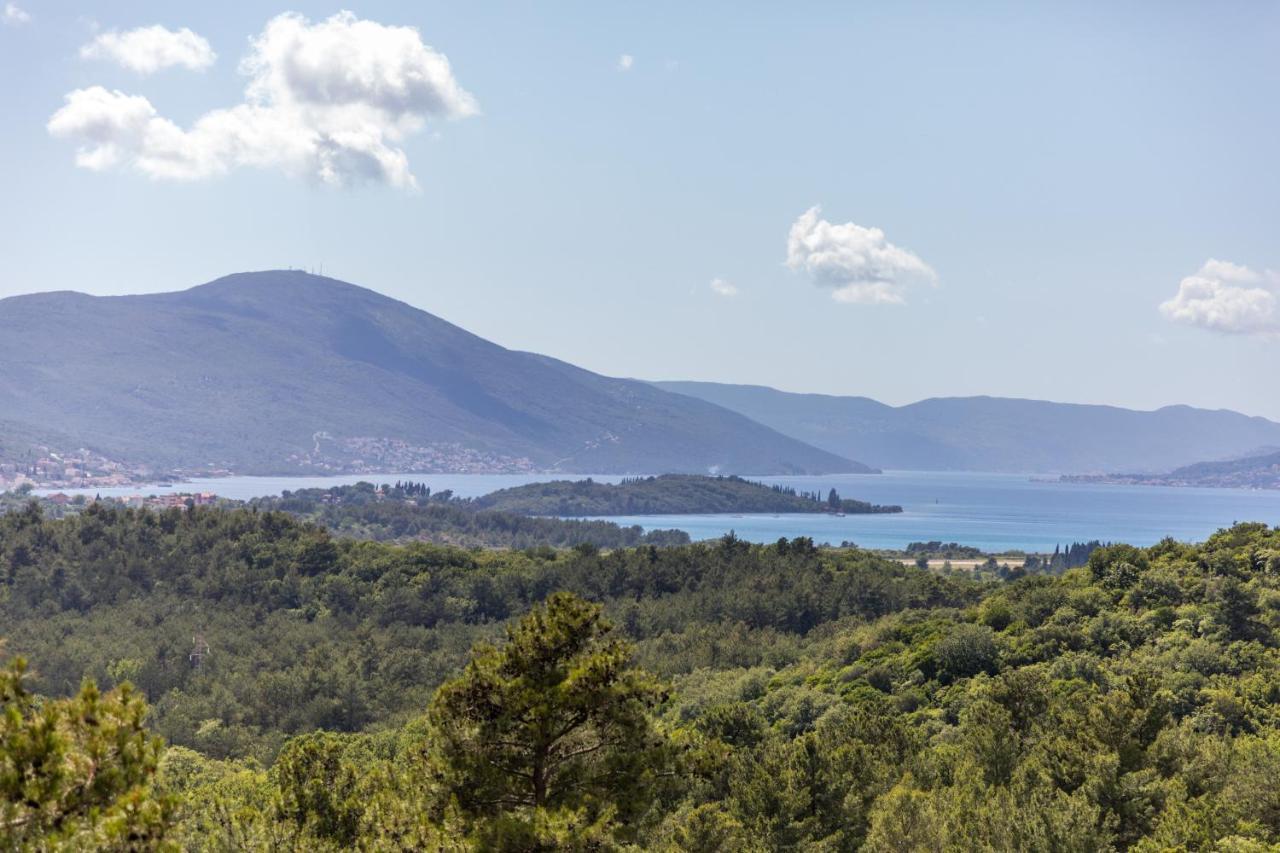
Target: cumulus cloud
(857, 263)
(1228, 298)
(720, 287)
(331, 100)
(14, 15)
(147, 50)
(625, 62)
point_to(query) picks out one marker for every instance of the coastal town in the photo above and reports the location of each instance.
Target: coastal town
(44, 467)
(61, 504)
(40, 466)
(371, 455)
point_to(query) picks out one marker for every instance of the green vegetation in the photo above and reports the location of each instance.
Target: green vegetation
(75, 773)
(719, 696)
(306, 631)
(670, 494)
(943, 550)
(410, 511)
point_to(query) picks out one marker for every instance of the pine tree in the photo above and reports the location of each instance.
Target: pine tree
(551, 732)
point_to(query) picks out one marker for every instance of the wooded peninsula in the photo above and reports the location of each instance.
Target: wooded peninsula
(669, 494)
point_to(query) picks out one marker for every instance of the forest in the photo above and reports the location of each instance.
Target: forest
(225, 679)
(409, 510)
(669, 494)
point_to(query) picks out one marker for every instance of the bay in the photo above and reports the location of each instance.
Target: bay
(995, 512)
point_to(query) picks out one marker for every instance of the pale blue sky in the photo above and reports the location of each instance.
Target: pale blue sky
(1060, 167)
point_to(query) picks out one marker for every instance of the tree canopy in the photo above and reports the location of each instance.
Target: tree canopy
(721, 696)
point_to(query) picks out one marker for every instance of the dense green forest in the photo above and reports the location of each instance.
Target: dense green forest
(669, 494)
(315, 693)
(411, 511)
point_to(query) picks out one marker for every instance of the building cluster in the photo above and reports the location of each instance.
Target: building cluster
(45, 467)
(366, 455)
(61, 505)
(177, 500)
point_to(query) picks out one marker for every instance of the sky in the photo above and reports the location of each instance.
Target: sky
(1076, 202)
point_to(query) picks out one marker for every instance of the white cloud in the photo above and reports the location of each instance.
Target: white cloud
(15, 16)
(1229, 298)
(857, 263)
(625, 62)
(720, 287)
(147, 50)
(331, 101)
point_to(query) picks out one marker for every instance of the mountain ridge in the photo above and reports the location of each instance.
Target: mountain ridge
(282, 372)
(988, 433)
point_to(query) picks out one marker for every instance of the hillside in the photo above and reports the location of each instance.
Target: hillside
(277, 372)
(1251, 472)
(671, 494)
(995, 434)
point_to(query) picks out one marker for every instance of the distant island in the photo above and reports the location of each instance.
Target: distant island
(669, 494)
(1252, 472)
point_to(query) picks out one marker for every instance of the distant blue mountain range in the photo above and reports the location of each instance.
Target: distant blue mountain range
(996, 434)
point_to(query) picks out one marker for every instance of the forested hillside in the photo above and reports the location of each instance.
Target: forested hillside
(670, 494)
(745, 698)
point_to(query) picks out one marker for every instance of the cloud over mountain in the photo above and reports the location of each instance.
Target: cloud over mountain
(859, 264)
(1228, 298)
(332, 101)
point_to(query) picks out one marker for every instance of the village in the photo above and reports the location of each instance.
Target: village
(44, 467)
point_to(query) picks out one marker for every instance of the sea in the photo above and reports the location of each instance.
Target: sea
(994, 512)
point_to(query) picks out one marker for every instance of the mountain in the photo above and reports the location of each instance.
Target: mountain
(1252, 472)
(993, 433)
(275, 372)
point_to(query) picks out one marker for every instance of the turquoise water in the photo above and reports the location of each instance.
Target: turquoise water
(990, 511)
(994, 512)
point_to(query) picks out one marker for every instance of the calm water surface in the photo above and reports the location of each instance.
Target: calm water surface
(990, 511)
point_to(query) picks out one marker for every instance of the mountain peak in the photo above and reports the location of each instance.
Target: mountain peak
(281, 370)
(287, 282)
